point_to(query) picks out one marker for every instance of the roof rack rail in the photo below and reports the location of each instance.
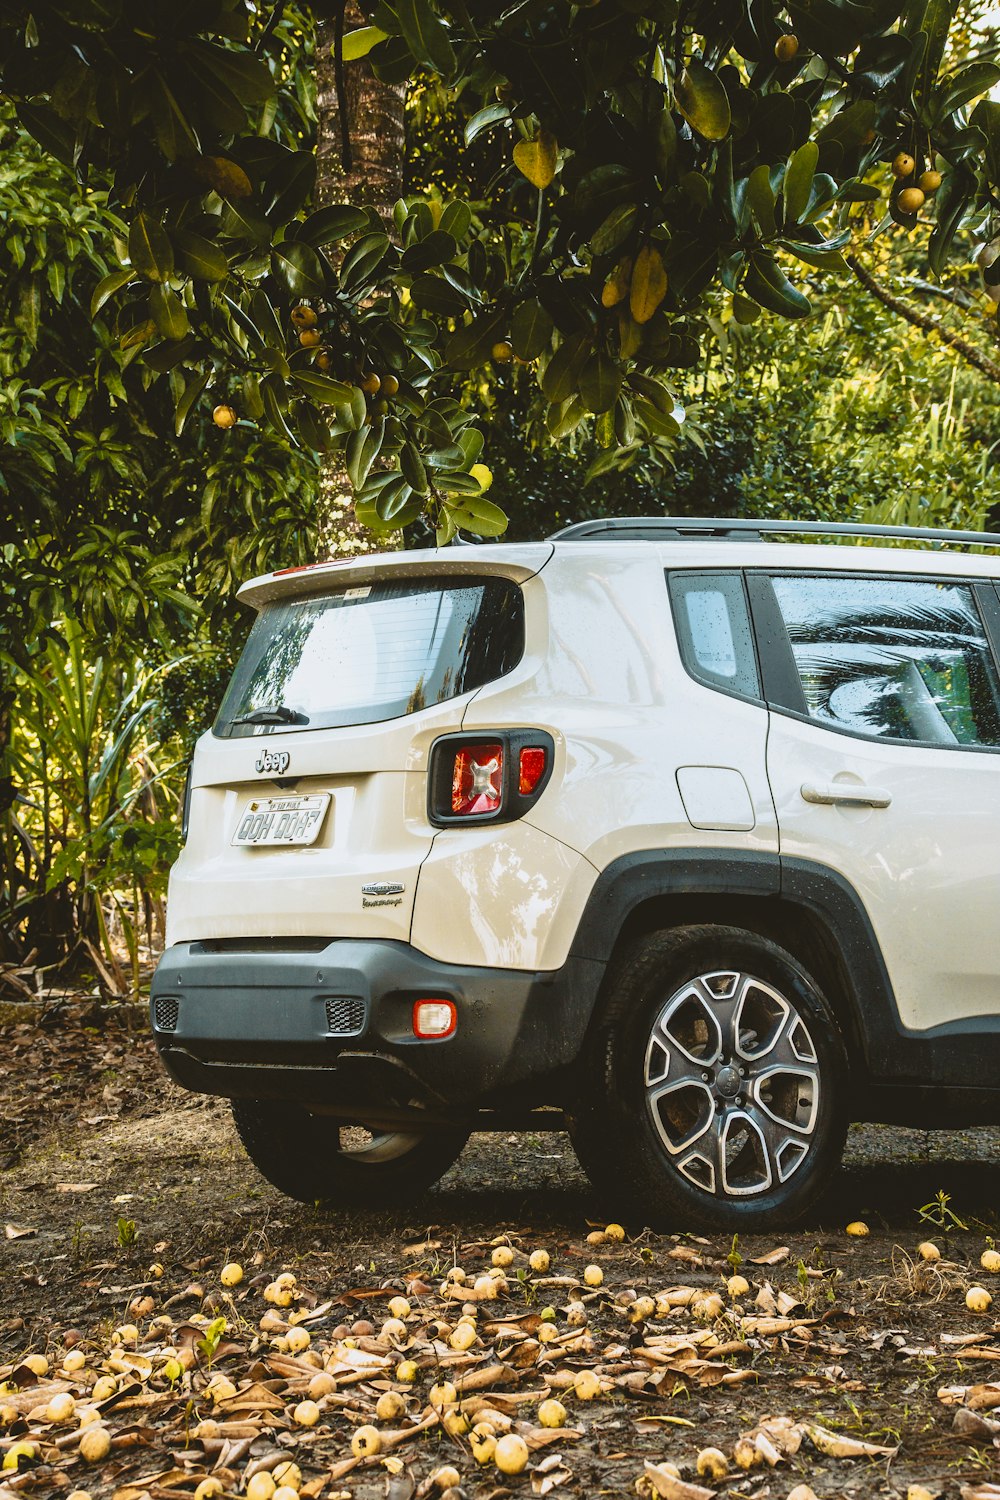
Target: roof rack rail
(711, 528)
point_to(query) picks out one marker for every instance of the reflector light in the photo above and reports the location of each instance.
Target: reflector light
(531, 769)
(477, 779)
(434, 1019)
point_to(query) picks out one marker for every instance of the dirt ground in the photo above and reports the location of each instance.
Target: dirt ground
(109, 1173)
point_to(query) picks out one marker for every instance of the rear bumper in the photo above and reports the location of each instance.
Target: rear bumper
(330, 1023)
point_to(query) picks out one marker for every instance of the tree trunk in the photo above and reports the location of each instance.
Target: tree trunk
(369, 171)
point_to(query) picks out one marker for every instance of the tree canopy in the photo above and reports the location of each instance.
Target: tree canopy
(647, 169)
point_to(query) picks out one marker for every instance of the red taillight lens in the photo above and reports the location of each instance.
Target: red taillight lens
(531, 769)
(477, 779)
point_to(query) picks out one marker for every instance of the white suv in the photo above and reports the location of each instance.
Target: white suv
(684, 838)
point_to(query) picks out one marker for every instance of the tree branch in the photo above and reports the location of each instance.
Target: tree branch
(988, 367)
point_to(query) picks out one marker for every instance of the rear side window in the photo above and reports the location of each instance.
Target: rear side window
(899, 659)
(713, 631)
(363, 654)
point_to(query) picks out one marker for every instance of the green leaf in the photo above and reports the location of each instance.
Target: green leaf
(149, 249)
(531, 329)
(935, 23)
(169, 312)
(242, 73)
(357, 44)
(600, 382)
(761, 196)
(335, 222)
(615, 229)
(363, 447)
(798, 181)
(457, 482)
(200, 258)
(323, 388)
(241, 223)
(456, 219)
(485, 119)
(363, 260)
(432, 251)
(266, 320)
(703, 101)
(767, 284)
(413, 469)
(191, 392)
(299, 267)
(969, 82)
(563, 370)
(470, 346)
(478, 515)
(107, 287)
(426, 36)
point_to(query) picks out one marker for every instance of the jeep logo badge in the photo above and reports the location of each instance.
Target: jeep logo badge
(272, 760)
(382, 893)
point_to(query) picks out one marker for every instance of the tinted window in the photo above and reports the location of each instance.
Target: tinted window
(364, 654)
(713, 630)
(890, 657)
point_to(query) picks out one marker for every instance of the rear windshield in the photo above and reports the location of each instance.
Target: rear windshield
(374, 652)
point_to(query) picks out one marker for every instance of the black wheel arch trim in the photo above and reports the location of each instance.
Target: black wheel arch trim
(960, 1054)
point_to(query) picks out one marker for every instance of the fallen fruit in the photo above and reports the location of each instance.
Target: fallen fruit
(103, 1388)
(640, 1309)
(614, 1231)
(95, 1444)
(260, 1486)
(12, 1458)
(857, 1229)
(60, 1408)
(306, 1414)
(539, 1261)
(78, 1495)
(366, 1440)
(482, 1441)
(978, 1299)
(596, 1237)
(208, 1488)
(712, 1463)
(223, 416)
(552, 1413)
(511, 1454)
(910, 200)
(502, 1256)
(593, 1276)
(407, 1371)
(36, 1363)
(463, 1336)
(443, 1394)
(75, 1360)
(586, 1385)
(232, 1274)
(285, 1492)
(288, 1475)
(297, 1339)
(990, 1260)
(576, 1315)
(786, 47)
(927, 1250)
(446, 1478)
(737, 1286)
(903, 165)
(390, 1406)
(399, 1307)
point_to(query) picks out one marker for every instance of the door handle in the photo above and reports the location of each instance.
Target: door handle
(843, 794)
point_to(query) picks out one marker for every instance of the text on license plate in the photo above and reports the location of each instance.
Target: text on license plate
(282, 820)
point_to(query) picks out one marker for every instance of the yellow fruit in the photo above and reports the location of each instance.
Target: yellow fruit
(929, 181)
(390, 1406)
(903, 165)
(857, 1229)
(324, 359)
(261, 1486)
(547, 1334)
(309, 338)
(708, 1308)
(104, 1387)
(156, 1271)
(306, 1414)
(75, 1360)
(78, 1495)
(297, 1339)
(511, 1454)
(285, 1492)
(927, 1250)
(372, 384)
(484, 477)
(303, 316)
(576, 1315)
(463, 1337)
(224, 416)
(483, 1445)
(712, 1464)
(36, 1363)
(641, 1309)
(321, 1385)
(586, 1385)
(407, 1371)
(910, 201)
(502, 353)
(446, 1478)
(443, 1394)
(287, 1475)
(366, 1440)
(596, 1237)
(60, 1408)
(17, 1451)
(737, 1286)
(786, 47)
(552, 1413)
(593, 1276)
(399, 1307)
(539, 1261)
(208, 1488)
(95, 1444)
(502, 1256)
(990, 1260)
(978, 1299)
(232, 1274)
(614, 1232)
(455, 1422)
(649, 284)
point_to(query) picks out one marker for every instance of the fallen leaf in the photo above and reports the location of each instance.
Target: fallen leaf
(838, 1446)
(17, 1232)
(75, 1187)
(671, 1488)
(772, 1258)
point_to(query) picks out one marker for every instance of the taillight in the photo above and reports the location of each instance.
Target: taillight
(488, 777)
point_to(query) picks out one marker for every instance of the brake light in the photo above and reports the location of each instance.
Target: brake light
(531, 768)
(477, 780)
(489, 777)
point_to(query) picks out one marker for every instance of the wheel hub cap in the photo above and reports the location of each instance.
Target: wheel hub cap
(732, 1084)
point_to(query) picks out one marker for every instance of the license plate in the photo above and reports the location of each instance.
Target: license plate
(281, 820)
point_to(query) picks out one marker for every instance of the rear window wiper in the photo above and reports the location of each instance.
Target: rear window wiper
(277, 715)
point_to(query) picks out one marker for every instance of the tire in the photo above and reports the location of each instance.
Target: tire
(671, 1128)
(315, 1158)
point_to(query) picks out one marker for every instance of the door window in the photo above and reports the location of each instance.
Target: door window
(713, 631)
(894, 658)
